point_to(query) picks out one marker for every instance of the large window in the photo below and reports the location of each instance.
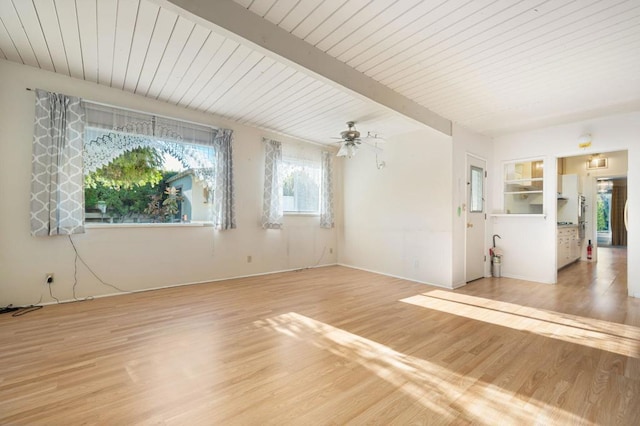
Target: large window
(140, 169)
(80, 145)
(301, 185)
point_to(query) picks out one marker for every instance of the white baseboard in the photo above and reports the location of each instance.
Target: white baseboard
(394, 276)
(185, 284)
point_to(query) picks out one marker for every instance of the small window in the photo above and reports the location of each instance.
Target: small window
(301, 186)
(476, 190)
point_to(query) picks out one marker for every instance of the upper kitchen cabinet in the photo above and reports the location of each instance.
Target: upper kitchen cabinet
(523, 183)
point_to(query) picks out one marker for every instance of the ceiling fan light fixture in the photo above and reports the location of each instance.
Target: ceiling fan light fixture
(347, 150)
(351, 133)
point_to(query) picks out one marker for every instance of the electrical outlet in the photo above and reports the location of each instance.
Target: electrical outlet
(249, 259)
(49, 278)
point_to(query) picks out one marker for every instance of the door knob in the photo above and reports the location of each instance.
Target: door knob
(469, 225)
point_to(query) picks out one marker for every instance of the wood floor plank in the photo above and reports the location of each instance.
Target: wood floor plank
(333, 345)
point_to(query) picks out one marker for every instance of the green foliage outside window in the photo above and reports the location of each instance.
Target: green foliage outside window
(287, 186)
(135, 168)
(603, 210)
(131, 185)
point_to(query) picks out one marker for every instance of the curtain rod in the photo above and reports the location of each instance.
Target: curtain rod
(196, 123)
(144, 112)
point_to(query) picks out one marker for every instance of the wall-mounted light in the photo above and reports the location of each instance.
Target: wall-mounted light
(584, 141)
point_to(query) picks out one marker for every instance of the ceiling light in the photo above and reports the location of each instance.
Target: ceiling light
(584, 141)
(348, 149)
(597, 162)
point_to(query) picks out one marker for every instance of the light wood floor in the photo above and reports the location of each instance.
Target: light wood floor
(333, 346)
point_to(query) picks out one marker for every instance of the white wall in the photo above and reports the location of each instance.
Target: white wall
(467, 142)
(617, 165)
(529, 243)
(139, 258)
(398, 220)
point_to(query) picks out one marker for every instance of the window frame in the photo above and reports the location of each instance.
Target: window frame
(191, 128)
(522, 179)
(318, 169)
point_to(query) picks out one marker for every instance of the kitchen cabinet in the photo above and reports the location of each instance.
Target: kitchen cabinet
(568, 245)
(523, 181)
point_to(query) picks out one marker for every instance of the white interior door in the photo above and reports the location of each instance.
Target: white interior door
(475, 218)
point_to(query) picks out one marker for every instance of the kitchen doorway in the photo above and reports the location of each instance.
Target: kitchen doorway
(602, 182)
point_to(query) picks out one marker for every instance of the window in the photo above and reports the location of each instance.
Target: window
(523, 181)
(297, 179)
(140, 169)
(476, 191)
(301, 185)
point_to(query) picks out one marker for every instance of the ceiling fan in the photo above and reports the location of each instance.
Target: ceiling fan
(351, 141)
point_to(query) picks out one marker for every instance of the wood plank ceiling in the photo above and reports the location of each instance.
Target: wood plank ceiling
(491, 65)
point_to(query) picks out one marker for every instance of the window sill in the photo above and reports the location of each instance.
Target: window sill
(146, 225)
(300, 214)
(518, 215)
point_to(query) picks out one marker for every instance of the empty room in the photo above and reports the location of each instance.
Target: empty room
(319, 212)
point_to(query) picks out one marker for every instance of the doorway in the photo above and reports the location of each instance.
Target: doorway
(475, 256)
(603, 215)
(611, 201)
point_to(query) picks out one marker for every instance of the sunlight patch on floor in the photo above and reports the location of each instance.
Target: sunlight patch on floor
(612, 337)
(447, 394)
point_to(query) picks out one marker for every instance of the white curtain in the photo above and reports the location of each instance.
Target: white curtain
(111, 131)
(224, 214)
(272, 203)
(326, 196)
(57, 196)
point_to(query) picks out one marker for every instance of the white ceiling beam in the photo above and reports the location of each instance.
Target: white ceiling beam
(243, 25)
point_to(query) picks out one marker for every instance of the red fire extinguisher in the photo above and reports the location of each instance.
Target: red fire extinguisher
(589, 251)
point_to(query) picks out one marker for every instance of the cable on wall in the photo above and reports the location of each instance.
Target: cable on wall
(324, 249)
(75, 274)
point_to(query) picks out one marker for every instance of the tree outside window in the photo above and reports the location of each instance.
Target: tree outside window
(135, 188)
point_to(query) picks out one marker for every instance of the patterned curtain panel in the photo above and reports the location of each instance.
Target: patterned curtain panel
(57, 197)
(272, 207)
(326, 197)
(224, 214)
